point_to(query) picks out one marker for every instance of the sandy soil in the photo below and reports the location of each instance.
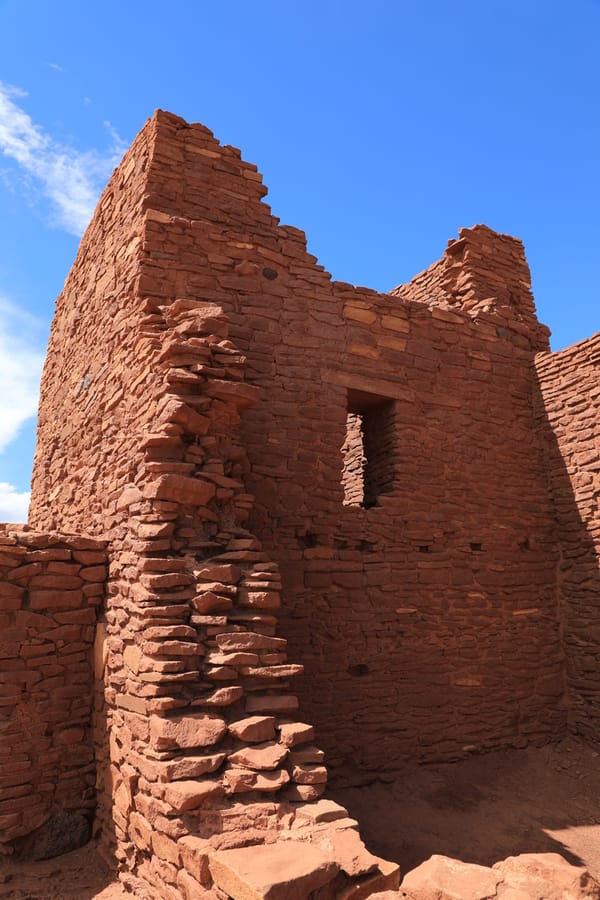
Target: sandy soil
(487, 807)
(480, 810)
(81, 875)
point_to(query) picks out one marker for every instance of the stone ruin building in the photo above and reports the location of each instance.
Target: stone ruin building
(246, 470)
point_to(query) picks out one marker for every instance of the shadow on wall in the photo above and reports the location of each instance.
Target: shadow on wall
(490, 806)
(568, 402)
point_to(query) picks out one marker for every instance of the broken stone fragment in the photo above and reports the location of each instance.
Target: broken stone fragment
(240, 780)
(304, 793)
(224, 696)
(186, 795)
(231, 659)
(186, 732)
(262, 756)
(321, 811)
(226, 574)
(310, 754)
(306, 774)
(249, 640)
(254, 729)
(180, 489)
(172, 648)
(283, 871)
(208, 602)
(260, 599)
(280, 671)
(294, 733)
(182, 767)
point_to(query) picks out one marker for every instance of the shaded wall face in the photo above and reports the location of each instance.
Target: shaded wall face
(50, 589)
(427, 622)
(569, 411)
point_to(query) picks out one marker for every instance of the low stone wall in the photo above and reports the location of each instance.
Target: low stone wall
(50, 589)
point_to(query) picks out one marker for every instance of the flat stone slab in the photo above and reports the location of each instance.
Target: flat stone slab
(288, 870)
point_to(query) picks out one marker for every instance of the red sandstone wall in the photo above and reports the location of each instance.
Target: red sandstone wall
(198, 747)
(427, 624)
(50, 590)
(486, 275)
(570, 410)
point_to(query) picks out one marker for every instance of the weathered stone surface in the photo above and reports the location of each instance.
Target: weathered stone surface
(294, 733)
(247, 640)
(451, 879)
(186, 795)
(525, 877)
(260, 756)
(547, 875)
(321, 811)
(46, 691)
(281, 871)
(254, 729)
(242, 780)
(187, 732)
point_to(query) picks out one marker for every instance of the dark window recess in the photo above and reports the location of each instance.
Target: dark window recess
(358, 671)
(368, 451)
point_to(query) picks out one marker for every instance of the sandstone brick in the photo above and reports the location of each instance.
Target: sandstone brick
(272, 872)
(186, 732)
(187, 795)
(261, 756)
(294, 733)
(180, 489)
(247, 640)
(254, 729)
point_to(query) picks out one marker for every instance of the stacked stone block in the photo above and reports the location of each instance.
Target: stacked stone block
(198, 697)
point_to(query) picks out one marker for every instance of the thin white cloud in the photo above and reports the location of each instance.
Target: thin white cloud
(14, 505)
(21, 361)
(70, 179)
(56, 67)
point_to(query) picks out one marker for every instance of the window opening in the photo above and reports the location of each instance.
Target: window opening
(367, 451)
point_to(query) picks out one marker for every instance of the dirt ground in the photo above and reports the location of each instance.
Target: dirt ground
(81, 875)
(487, 807)
(480, 810)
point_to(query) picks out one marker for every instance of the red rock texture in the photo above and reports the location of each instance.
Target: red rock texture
(569, 401)
(527, 877)
(50, 589)
(240, 428)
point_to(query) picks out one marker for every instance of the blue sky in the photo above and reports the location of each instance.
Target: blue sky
(380, 129)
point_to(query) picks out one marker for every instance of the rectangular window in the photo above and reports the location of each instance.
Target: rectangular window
(367, 452)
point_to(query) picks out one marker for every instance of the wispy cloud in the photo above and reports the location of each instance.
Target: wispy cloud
(14, 505)
(70, 179)
(21, 361)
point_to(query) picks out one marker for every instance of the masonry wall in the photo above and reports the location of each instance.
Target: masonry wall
(50, 589)
(200, 748)
(569, 411)
(428, 623)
